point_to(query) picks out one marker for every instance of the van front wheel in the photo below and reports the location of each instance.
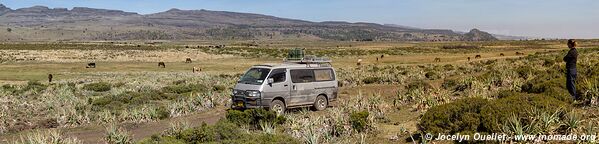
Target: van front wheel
(321, 103)
(277, 106)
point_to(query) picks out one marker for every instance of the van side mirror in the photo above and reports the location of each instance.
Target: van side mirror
(270, 80)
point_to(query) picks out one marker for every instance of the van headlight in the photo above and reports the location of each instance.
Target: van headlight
(253, 93)
(234, 91)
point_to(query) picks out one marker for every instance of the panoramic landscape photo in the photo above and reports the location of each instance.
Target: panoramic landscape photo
(265, 71)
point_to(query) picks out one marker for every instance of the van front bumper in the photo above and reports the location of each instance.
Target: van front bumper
(241, 102)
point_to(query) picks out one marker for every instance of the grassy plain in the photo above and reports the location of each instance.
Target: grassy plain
(397, 90)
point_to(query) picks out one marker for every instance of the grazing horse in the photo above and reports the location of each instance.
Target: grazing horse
(377, 59)
(359, 62)
(468, 58)
(382, 56)
(188, 60)
(501, 54)
(91, 65)
(50, 78)
(519, 53)
(437, 59)
(477, 57)
(161, 64)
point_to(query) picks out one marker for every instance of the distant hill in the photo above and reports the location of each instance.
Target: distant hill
(40, 23)
(477, 35)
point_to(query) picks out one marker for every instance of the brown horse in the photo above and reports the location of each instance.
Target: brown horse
(501, 54)
(188, 60)
(161, 64)
(50, 78)
(91, 65)
(477, 57)
(437, 59)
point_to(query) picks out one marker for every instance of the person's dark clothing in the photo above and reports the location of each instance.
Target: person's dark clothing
(570, 60)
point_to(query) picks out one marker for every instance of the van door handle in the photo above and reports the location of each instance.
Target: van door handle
(285, 85)
(294, 87)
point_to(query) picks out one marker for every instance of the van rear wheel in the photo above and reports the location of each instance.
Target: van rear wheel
(321, 103)
(277, 106)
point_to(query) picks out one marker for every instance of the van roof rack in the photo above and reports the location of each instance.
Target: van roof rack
(297, 56)
(309, 60)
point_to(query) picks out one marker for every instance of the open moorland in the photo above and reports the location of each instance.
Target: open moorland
(400, 92)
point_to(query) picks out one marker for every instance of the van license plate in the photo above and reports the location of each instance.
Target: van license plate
(239, 104)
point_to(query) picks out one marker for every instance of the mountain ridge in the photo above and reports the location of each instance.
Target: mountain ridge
(82, 23)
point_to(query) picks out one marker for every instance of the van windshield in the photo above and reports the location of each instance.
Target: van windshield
(254, 76)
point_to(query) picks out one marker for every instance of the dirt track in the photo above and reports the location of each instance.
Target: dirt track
(94, 134)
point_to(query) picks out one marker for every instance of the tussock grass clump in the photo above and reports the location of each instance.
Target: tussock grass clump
(359, 120)
(98, 87)
(44, 137)
(116, 135)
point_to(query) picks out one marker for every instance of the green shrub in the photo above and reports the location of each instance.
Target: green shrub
(162, 113)
(419, 84)
(9, 88)
(449, 84)
(471, 115)
(432, 75)
(448, 67)
(219, 88)
(35, 86)
(184, 88)
(359, 120)
(98, 87)
(253, 117)
(521, 105)
(461, 116)
(221, 132)
(116, 135)
(371, 80)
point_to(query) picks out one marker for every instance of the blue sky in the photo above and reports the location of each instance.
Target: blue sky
(536, 18)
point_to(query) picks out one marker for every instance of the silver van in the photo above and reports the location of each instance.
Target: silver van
(288, 85)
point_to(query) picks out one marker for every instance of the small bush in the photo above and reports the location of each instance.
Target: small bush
(479, 115)
(359, 120)
(449, 84)
(98, 87)
(461, 116)
(184, 88)
(371, 80)
(162, 113)
(253, 117)
(419, 84)
(497, 112)
(115, 135)
(35, 86)
(221, 132)
(219, 88)
(431, 75)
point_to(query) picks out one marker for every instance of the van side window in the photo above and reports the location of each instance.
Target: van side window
(324, 74)
(302, 76)
(278, 75)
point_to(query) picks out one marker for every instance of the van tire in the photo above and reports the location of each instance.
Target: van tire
(320, 103)
(277, 106)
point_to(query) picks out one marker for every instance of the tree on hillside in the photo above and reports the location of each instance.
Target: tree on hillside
(9, 29)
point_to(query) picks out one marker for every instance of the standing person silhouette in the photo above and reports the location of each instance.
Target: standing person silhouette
(570, 60)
